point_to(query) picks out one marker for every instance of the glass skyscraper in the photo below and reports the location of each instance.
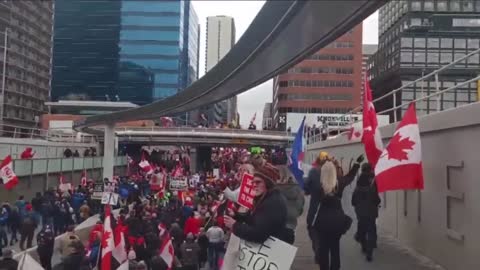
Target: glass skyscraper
(139, 50)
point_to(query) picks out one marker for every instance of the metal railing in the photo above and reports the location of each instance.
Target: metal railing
(54, 135)
(437, 94)
(211, 130)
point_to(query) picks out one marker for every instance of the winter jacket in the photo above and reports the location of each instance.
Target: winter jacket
(313, 187)
(295, 201)
(3, 217)
(189, 253)
(365, 198)
(269, 218)
(192, 225)
(331, 218)
(76, 261)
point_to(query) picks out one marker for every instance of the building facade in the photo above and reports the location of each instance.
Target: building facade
(267, 119)
(138, 51)
(367, 51)
(220, 39)
(327, 82)
(26, 45)
(418, 37)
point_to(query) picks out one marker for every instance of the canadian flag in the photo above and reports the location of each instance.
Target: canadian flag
(161, 229)
(83, 181)
(107, 240)
(145, 165)
(167, 252)
(120, 251)
(178, 171)
(355, 132)
(63, 185)
(156, 181)
(371, 138)
(400, 165)
(10, 180)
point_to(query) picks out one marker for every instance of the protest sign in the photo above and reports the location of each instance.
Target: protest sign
(247, 192)
(97, 191)
(216, 173)
(65, 187)
(110, 198)
(178, 183)
(273, 254)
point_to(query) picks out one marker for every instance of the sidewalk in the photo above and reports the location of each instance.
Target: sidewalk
(390, 254)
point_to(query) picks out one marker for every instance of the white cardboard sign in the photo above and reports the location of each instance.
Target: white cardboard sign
(273, 254)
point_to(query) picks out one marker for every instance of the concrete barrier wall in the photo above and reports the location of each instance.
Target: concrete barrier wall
(442, 222)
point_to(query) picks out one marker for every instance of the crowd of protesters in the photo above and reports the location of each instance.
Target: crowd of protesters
(199, 220)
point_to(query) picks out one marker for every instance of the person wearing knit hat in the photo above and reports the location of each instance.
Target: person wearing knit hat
(269, 214)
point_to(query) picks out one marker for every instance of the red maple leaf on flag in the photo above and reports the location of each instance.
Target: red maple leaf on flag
(106, 236)
(397, 147)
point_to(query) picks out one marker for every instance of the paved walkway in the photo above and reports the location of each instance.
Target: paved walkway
(390, 254)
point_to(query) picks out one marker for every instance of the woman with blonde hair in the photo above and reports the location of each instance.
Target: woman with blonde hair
(330, 222)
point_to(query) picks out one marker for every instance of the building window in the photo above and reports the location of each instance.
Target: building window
(442, 5)
(460, 43)
(473, 43)
(406, 57)
(428, 5)
(415, 22)
(467, 5)
(454, 5)
(406, 42)
(446, 43)
(446, 57)
(419, 57)
(416, 5)
(419, 43)
(433, 43)
(465, 22)
(433, 57)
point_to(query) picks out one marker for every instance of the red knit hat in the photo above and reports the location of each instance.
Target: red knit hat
(267, 172)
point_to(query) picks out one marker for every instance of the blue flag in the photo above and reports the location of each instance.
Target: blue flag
(296, 158)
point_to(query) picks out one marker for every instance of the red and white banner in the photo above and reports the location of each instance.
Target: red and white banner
(63, 186)
(371, 138)
(120, 251)
(167, 252)
(10, 180)
(247, 192)
(107, 241)
(146, 167)
(28, 153)
(400, 165)
(158, 181)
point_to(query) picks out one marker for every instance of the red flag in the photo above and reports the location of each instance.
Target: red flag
(400, 165)
(167, 252)
(10, 180)
(83, 181)
(107, 241)
(371, 138)
(27, 153)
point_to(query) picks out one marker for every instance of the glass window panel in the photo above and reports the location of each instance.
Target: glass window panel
(460, 43)
(415, 22)
(462, 95)
(406, 42)
(407, 95)
(448, 105)
(433, 43)
(419, 57)
(454, 5)
(419, 43)
(473, 43)
(442, 5)
(446, 57)
(458, 56)
(467, 5)
(406, 57)
(428, 5)
(473, 60)
(446, 43)
(416, 5)
(433, 104)
(473, 96)
(449, 96)
(433, 57)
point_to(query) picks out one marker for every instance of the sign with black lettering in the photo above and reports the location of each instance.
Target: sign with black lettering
(273, 254)
(178, 183)
(97, 191)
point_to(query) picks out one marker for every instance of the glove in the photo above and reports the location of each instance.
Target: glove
(360, 159)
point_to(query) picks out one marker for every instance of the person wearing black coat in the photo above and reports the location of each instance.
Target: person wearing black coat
(269, 214)
(330, 221)
(365, 200)
(313, 188)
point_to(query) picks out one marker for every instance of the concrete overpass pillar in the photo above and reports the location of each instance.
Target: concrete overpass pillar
(109, 151)
(204, 158)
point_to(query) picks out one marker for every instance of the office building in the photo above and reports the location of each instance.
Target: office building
(326, 84)
(417, 37)
(26, 45)
(267, 116)
(138, 51)
(367, 51)
(220, 39)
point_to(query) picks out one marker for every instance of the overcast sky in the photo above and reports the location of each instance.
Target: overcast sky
(243, 13)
